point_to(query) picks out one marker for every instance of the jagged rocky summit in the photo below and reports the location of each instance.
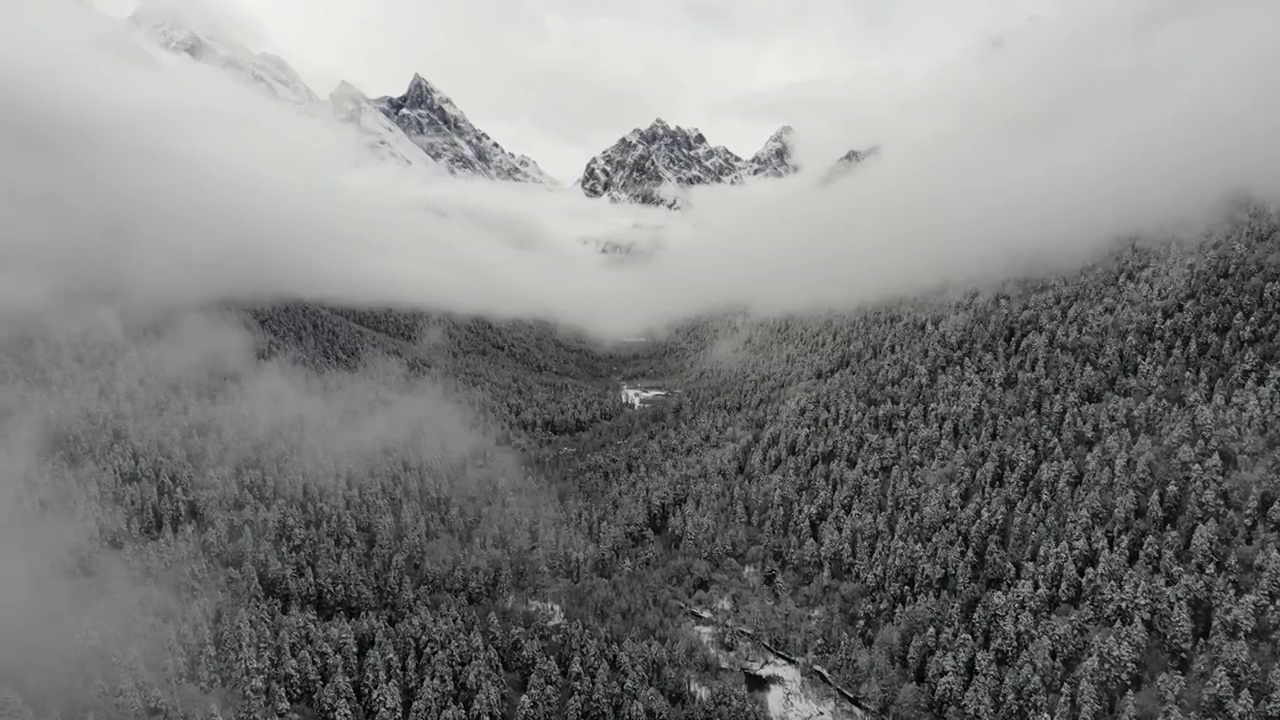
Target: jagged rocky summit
(424, 128)
(777, 158)
(421, 129)
(653, 166)
(382, 137)
(271, 74)
(658, 164)
(432, 122)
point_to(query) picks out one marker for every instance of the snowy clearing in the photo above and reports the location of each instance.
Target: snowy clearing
(639, 397)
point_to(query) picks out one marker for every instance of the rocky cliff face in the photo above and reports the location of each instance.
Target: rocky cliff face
(658, 164)
(653, 165)
(422, 128)
(382, 137)
(435, 124)
(776, 159)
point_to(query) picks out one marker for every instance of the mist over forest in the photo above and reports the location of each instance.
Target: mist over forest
(987, 429)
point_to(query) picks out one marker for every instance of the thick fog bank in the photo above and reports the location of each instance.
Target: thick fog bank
(155, 182)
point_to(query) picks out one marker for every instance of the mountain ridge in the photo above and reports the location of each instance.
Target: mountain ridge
(658, 165)
(433, 122)
(213, 46)
(423, 128)
(652, 166)
(381, 136)
(277, 79)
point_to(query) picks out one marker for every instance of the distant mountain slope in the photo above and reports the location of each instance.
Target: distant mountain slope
(212, 47)
(651, 165)
(847, 162)
(776, 159)
(383, 137)
(435, 124)
(535, 170)
(423, 128)
(657, 165)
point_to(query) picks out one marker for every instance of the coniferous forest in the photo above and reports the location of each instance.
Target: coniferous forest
(1055, 497)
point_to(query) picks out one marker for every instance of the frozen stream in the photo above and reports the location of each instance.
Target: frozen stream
(788, 694)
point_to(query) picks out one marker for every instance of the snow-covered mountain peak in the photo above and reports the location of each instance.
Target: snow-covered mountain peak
(656, 165)
(847, 162)
(383, 137)
(660, 128)
(651, 165)
(777, 157)
(422, 94)
(208, 45)
(535, 170)
(434, 123)
(347, 101)
(347, 90)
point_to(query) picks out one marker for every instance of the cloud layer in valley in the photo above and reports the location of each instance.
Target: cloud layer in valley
(152, 183)
(97, 403)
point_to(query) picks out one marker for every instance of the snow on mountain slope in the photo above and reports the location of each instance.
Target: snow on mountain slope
(212, 47)
(658, 165)
(776, 158)
(423, 128)
(274, 75)
(535, 171)
(434, 123)
(653, 165)
(384, 138)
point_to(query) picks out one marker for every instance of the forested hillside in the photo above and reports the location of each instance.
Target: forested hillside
(1050, 498)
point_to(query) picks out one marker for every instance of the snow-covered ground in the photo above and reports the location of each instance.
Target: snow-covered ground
(789, 695)
(552, 612)
(790, 698)
(638, 397)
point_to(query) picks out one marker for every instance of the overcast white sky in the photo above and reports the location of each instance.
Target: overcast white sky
(560, 80)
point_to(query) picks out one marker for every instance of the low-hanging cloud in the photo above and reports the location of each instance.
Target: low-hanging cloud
(174, 184)
(96, 403)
